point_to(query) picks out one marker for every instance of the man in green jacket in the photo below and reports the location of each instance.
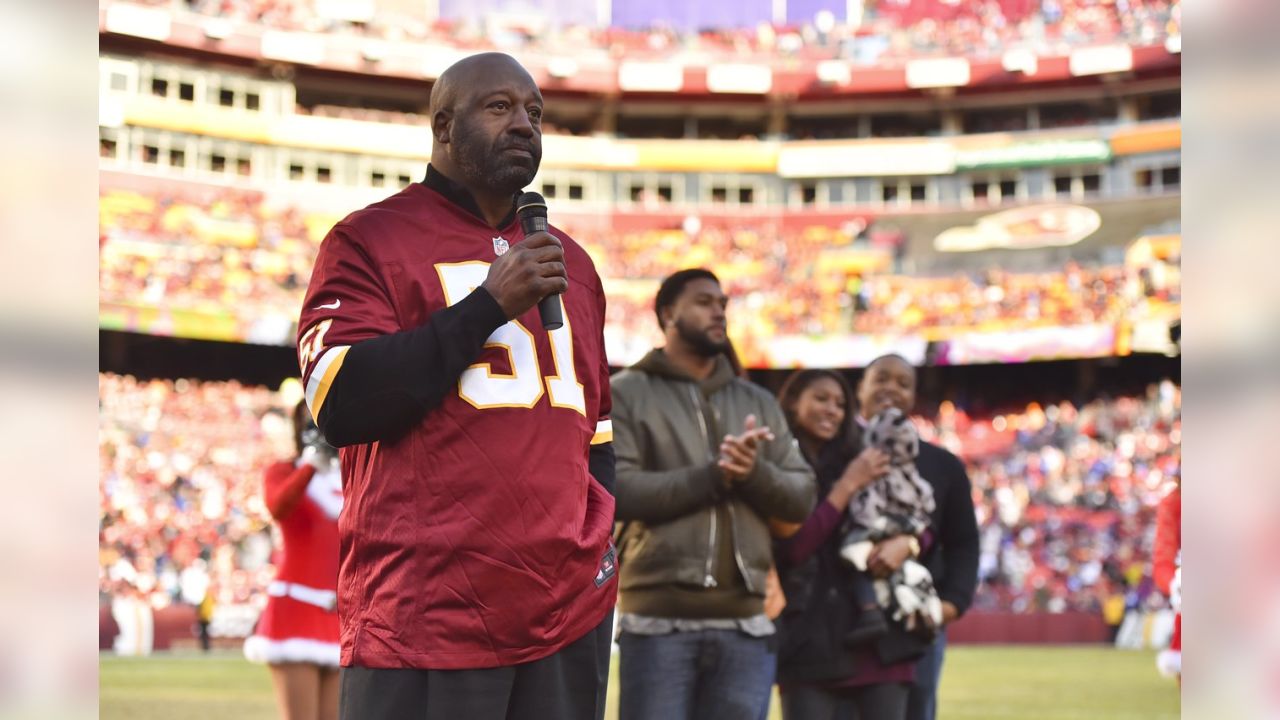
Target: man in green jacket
(704, 460)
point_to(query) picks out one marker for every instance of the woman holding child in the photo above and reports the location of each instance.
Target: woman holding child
(829, 666)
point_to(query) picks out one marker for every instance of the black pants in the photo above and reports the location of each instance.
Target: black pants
(569, 685)
(872, 702)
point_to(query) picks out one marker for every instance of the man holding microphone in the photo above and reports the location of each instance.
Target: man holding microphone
(477, 571)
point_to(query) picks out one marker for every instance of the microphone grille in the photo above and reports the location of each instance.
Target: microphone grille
(531, 203)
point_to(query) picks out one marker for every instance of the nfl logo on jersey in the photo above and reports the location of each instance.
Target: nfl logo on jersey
(500, 246)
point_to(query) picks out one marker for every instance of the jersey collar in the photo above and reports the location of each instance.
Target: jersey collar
(460, 196)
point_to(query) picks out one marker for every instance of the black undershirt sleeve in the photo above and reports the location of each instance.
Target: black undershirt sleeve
(388, 383)
(959, 536)
(600, 463)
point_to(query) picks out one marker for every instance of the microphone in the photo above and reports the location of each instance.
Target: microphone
(532, 209)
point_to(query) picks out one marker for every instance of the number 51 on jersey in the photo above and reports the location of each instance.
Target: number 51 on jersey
(523, 387)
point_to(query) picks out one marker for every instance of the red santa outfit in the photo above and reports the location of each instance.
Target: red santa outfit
(300, 622)
(1167, 571)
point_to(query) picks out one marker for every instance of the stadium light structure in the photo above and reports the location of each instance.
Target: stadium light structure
(217, 28)
(1020, 60)
(835, 73)
(374, 51)
(562, 68)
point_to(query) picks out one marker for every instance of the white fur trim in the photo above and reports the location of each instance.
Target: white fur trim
(1169, 663)
(259, 649)
(326, 600)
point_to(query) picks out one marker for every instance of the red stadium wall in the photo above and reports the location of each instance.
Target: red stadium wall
(1028, 628)
(176, 622)
(107, 628)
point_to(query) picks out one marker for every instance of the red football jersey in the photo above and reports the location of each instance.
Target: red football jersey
(479, 538)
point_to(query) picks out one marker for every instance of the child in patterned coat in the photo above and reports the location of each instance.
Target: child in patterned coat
(898, 503)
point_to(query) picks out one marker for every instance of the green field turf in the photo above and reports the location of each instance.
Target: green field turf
(1053, 683)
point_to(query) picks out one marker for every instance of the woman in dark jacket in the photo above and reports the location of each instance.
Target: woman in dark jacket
(820, 677)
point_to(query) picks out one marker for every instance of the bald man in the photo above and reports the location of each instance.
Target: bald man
(477, 570)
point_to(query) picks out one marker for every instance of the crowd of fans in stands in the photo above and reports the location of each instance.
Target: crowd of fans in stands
(1065, 494)
(233, 254)
(226, 251)
(180, 485)
(889, 29)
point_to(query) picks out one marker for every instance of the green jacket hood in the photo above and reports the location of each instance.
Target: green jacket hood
(656, 362)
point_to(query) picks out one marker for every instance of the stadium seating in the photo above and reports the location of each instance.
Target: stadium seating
(230, 253)
(181, 467)
(833, 254)
(911, 28)
(1064, 494)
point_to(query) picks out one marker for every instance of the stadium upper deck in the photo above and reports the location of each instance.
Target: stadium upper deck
(1030, 150)
(874, 32)
(273, 93)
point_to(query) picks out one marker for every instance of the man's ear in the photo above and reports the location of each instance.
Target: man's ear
(440, 123)
(666, 315)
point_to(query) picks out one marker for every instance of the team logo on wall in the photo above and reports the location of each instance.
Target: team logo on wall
(501, 246)
(1023, 228)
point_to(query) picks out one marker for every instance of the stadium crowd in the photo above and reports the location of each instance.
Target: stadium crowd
(1065, 494)
(180, 486)
(232, 250)
(1070, 295)
(888, 30)
(210, 254)
(827, 281)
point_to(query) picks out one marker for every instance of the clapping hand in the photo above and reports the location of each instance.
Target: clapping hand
(738, 452)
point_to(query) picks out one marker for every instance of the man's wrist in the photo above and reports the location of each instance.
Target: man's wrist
(950, 611)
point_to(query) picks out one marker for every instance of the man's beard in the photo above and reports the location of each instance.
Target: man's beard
(490, 167)
(700, 342)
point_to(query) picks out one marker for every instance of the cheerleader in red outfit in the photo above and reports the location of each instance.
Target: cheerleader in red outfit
(297, 635)
(1167, 571)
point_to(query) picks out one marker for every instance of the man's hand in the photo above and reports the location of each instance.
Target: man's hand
(774, 599)
(738, 452)
(949, 612)
(531, 270)
(888, 556)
